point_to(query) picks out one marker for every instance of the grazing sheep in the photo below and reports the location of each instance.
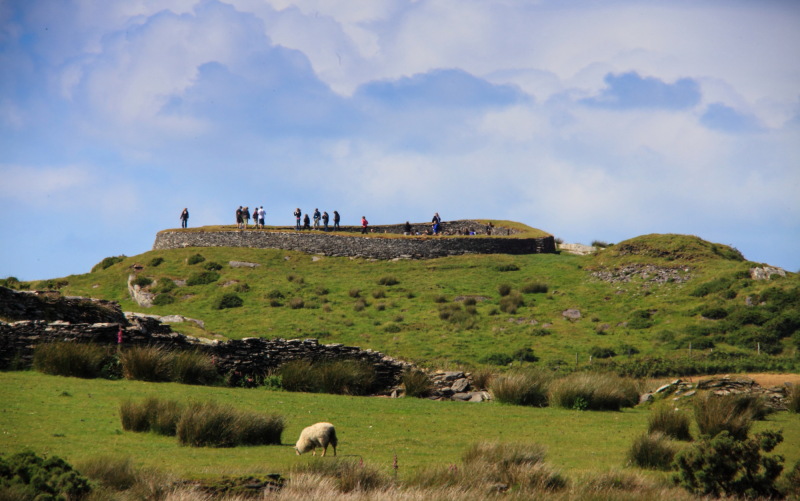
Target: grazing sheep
(316, 435)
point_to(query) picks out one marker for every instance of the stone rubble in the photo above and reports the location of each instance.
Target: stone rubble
(775, 397)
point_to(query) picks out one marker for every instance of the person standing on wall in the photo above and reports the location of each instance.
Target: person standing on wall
(239, 217)
(185, 218)
(325, 219)
(317, 216)
(364, 224)
(336, 219)
(436, 222)
(297, 215)
(306, 222)
(261, 216)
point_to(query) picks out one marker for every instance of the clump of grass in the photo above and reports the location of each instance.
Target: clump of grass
(212, 266)
(297, 279)
(342, 377)
(359, 305)
(204, 278)
(482, 378)
(151, 414)
(348, 475)
(528, 388)
(670, 422)
(142, 281)
(146, 363)
(379, 293)
(504, 289)
(506, 267)
(388, 280)
(242, 288)
(510, 302)
(714, 414)
(116, 473)
(794, 398)
(652, 451)
(354, 292)
(534, 288)
(156, 261)
(417, 384)
(107, 263)
(163, 300)
(84, 360)
(296, 303)
(195, 259)
(593, 391)
(321, 291)
(194, 367)
(208, 424)
(275, 294)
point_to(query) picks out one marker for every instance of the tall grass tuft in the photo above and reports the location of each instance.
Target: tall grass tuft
(417, 384)
(593, 391)
(794, 398)
(652, 451)
(84, 360)
(669, 421)
(730, 413)
(207, 425)
(521, 388)
(194, 367)
(296, 375)
(116, 473)
(146, 363)
(341, 377)
(349, 475)
(152, 414)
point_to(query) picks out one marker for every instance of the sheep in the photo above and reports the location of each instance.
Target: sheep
(316, 435)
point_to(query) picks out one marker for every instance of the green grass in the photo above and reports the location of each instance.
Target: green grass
(78, 419)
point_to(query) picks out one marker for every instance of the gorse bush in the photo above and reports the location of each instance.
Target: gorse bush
(730, 413)
(228, 300)
(25, 476)
(593, 391)
(72, 359)
(651, 451)
(669, 421)
(417, 384)
(722, 465)
(521, 388)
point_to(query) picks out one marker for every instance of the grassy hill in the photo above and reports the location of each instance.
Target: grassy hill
(650, 296)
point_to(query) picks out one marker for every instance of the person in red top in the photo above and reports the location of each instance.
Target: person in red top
(364, 224)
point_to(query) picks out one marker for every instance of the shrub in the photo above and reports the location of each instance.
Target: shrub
(84, 360)
(641, 320)
(601, 352)
(707, 288)
(713, 313)
(392, 328)
(26, 476)
(534, 288)
(228, 300)
(207, 425)
(165, 285)
(730, 413)
(388, 280)
(108, 262)
(321, 291)
(194, 367)
(524, 355)
(521, 388)
(163, 300)
(504, 289)
(206, 277)
(670, 422)
(142, 281)
(538, 332)
(593, 391)
(723, 465)
(146, 363)
(600, 244)
(212, 266)
(155, 261)
(651, 451)
(497, 359)
(791, 482)
(195, 259)
(275, 294)
(296, 303)
(417, 384)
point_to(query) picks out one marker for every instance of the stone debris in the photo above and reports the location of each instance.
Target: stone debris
(645, 272)
(775, 397)
(766, 272)
(242, 264)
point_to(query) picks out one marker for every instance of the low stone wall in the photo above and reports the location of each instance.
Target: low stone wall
(52, 318)
(336, 244)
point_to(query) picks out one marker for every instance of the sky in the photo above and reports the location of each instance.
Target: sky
(590, 120)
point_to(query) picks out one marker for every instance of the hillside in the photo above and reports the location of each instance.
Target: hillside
(650, 296)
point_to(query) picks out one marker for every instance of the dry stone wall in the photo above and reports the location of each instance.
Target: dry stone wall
(238, 359)
(337, 244)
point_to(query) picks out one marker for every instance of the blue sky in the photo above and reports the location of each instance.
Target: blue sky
(590, 120)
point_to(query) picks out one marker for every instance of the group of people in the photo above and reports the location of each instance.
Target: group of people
(318, 217)
(243, 217)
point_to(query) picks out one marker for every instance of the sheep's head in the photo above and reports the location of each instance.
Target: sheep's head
(297, 451)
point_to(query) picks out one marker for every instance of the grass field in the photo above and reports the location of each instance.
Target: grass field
(78, 419)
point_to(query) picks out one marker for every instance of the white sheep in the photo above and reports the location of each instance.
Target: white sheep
(316, 435)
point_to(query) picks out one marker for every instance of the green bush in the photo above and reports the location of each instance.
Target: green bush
(156, 261)
(142, 281)
(497, 359)
(26, 476)
(163, 300)
(641, 320)
(593, 391)
(107, 262)
(602, 352)
(297, 375)
(524, 355)
(194, 367)
(729, 413)
(165, 285)
(417, 384)
(72, 359)
(212, 266)
(206, 277)
(195, 259)
(717, 285)
(146, 363)
(651, 451)
(359, 305)
(275, 294)
(714, 313)
(725, 466)
(670, 422)
(521, 388)
(228, 300)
